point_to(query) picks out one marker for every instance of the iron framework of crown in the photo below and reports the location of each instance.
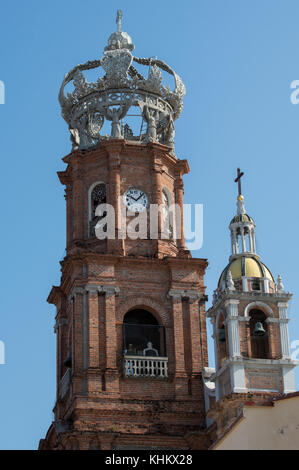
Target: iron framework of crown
(121, 91)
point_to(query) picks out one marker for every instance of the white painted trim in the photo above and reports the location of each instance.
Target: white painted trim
(257, 304)
(288, 380)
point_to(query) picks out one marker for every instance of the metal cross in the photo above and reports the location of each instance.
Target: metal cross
(118, 20)
(238, 180)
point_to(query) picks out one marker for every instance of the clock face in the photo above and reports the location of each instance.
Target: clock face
(136, 200)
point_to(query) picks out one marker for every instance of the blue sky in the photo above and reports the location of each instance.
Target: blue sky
(237, 59)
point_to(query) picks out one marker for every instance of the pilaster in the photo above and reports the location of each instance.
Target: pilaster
(178, 332)
(112, 374)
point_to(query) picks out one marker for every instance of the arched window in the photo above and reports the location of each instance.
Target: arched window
(167, 216)
(142, 334)
(258, 334)
(97, 196)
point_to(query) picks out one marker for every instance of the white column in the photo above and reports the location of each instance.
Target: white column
(236, 242)
(253, 241)
(237, 372)
(215, 338)
(237, 377)
(232, 242)
(243, 240)
(288, 374)
(232, 324)
(250, 240)
(284, 331)
(244, 284)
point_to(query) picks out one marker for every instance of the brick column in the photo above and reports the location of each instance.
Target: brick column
(114, 192)
(60, 330)
(195, 335)
(179, 194)
(180, 375)
(93, 330)
(77, 351)
(69, 215)
(274, 342)
(157, 190)
(112, 374)
(78, 204)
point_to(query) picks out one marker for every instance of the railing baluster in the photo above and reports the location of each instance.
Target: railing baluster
(134, 366)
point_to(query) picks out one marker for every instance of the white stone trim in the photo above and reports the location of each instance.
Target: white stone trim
(257, 304)
(237, 375)
(288, 380)
(285, 340)
(244, 284)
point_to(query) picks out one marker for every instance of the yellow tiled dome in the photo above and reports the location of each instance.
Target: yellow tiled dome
(248, 266)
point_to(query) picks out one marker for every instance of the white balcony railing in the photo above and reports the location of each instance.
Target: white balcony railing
(148, 366)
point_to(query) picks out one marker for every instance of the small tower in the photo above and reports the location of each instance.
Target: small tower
(249, 317)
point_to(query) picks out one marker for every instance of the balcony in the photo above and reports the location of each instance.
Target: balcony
(149, 366)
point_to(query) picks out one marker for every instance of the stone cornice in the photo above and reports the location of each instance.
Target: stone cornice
(95, 289)
(250, 296)
(190, 294)
(254, 363)
(55, 294)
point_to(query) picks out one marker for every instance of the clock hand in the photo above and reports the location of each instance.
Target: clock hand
(131, 197)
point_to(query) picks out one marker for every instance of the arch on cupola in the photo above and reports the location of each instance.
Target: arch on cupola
(260, 306)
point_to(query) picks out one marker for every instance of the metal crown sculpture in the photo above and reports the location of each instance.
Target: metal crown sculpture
(121, 88)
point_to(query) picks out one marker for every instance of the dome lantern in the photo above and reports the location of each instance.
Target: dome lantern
(245, 271)
(242, 226)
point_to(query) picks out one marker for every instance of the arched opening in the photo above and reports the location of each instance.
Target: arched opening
(97, 196)
(144, 345)
(167, 216)
(259, 341)
(142, 334)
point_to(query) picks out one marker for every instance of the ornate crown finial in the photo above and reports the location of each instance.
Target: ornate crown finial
(120, 88)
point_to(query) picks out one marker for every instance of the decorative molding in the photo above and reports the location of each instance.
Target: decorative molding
(109, 290)
(191, 295)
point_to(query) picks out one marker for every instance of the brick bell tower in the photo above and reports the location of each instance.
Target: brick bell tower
(250, 329)
(130, 323)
